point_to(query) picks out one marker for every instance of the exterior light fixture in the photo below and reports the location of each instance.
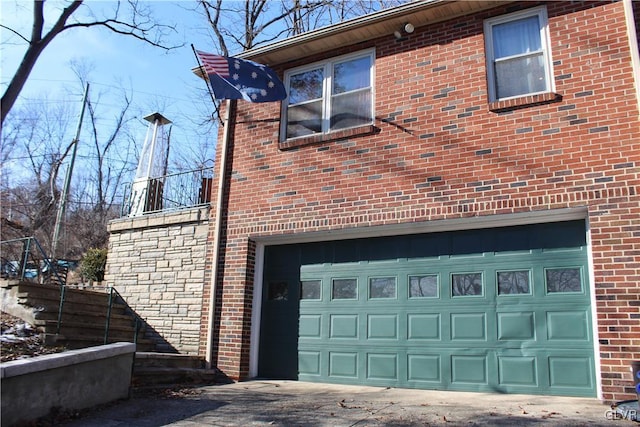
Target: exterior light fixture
(407, 28)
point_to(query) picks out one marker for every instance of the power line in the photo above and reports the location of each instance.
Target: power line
(111, 86)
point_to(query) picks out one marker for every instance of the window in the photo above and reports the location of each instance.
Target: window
(382, 287)
(425, 286)
(518, 54)
(329, 96)
(466, 284)
(344, 289)
(514, 282)
(278, 291)
(563, 280)
(310, 289)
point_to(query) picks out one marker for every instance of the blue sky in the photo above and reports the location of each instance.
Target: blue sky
(159, 80)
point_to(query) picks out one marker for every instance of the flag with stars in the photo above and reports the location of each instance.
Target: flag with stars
(234, 78)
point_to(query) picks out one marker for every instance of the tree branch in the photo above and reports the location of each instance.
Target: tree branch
(141, 27)
(15, 32)
(129, 30)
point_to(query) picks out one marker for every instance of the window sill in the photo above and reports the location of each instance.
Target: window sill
(524, 102)
(327, 137)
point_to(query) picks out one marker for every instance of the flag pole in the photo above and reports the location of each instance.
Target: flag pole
(204, 72)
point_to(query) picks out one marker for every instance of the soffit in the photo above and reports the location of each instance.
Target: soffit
(383, 23)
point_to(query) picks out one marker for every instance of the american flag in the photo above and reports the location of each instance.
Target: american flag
(235, 78)
(214, 64)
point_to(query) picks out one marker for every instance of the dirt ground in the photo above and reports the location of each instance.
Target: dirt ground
(19, 340)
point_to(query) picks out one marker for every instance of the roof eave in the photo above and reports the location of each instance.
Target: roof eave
(363, 28)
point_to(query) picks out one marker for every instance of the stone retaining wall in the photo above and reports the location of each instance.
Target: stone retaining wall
(157, 263)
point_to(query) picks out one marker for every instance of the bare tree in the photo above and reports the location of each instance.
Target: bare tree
(107, 163)
(39, 139)
(245, 25)
(108, 172)
(36, 138)
(130, 18)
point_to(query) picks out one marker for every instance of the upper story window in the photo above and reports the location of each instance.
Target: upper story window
(518, 54)
(329, 96)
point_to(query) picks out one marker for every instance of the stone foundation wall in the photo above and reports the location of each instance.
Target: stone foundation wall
(157, 263)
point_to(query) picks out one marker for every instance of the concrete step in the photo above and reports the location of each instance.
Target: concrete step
(163, 377)
(81, 341)
(84, 329)
(84, 316)
(50, 300)
(168, 360)
(53, 292)
(52, 304)
(153, 370)
(77, 342)
(8, 283)
(72, 297)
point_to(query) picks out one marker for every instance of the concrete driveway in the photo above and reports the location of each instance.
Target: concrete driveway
(292, 403)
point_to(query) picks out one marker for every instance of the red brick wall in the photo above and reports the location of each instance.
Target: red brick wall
(440, 153)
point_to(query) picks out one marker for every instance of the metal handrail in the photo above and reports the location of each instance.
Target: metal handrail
(113, 295)
(23, 263)
(27, 241)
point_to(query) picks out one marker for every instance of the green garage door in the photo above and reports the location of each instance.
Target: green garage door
(504, 309)
(493, 319)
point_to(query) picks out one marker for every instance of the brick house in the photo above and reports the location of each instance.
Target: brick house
(451, 204)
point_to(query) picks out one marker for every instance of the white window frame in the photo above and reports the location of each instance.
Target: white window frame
(327, 65)
(541, 13)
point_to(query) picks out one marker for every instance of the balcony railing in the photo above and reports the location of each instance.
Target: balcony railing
(170, 192)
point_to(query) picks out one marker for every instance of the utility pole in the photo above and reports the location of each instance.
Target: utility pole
(67, 180)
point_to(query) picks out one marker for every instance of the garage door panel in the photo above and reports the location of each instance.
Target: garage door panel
(422, 327)
(521, 371)
(508, 333)
(382, 366)
(309, 363)
(382, 326)
(468, 326)
(516, 326)
(424, 368)
(568, 325)
(343, 364)
(570, 371)
(343, 326)
(469, 369)
(310, 326)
